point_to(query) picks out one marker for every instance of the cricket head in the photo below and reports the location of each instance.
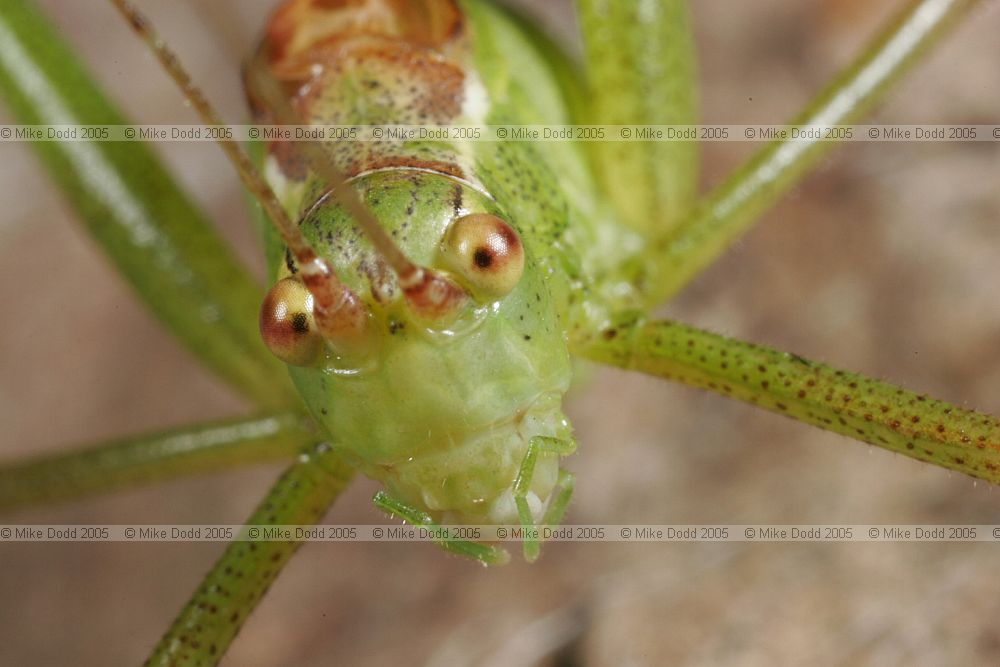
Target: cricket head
(433, 385)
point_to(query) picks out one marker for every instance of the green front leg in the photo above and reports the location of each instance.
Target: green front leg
(155, 457)
(640, 70)
(859, 407)
(221, 604)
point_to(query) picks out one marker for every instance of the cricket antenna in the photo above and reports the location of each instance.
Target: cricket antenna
(339, 314)
(428, 292)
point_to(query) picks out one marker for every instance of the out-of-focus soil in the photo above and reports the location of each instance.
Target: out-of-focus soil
(884, 261)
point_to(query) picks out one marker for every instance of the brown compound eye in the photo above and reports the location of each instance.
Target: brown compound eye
(287, 324)
(486, 253)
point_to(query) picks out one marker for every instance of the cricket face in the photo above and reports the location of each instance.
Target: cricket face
(439, 403)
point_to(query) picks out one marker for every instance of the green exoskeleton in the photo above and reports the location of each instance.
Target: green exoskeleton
(528, 257)
(483, 313)
(428, 296)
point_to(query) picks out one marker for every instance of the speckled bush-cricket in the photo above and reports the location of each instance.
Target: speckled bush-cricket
(502, 261)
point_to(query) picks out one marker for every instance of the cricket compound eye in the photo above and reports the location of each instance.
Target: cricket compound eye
(486, 253)
(287, 324)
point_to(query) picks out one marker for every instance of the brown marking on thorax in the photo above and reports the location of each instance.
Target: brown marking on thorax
(300, 28)
(401, 60)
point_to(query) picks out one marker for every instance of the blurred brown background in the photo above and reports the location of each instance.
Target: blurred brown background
(885, 261)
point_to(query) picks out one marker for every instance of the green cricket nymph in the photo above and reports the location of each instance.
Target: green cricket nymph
(480, 440)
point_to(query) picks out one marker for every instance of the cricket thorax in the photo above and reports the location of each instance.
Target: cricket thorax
(372, 62)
